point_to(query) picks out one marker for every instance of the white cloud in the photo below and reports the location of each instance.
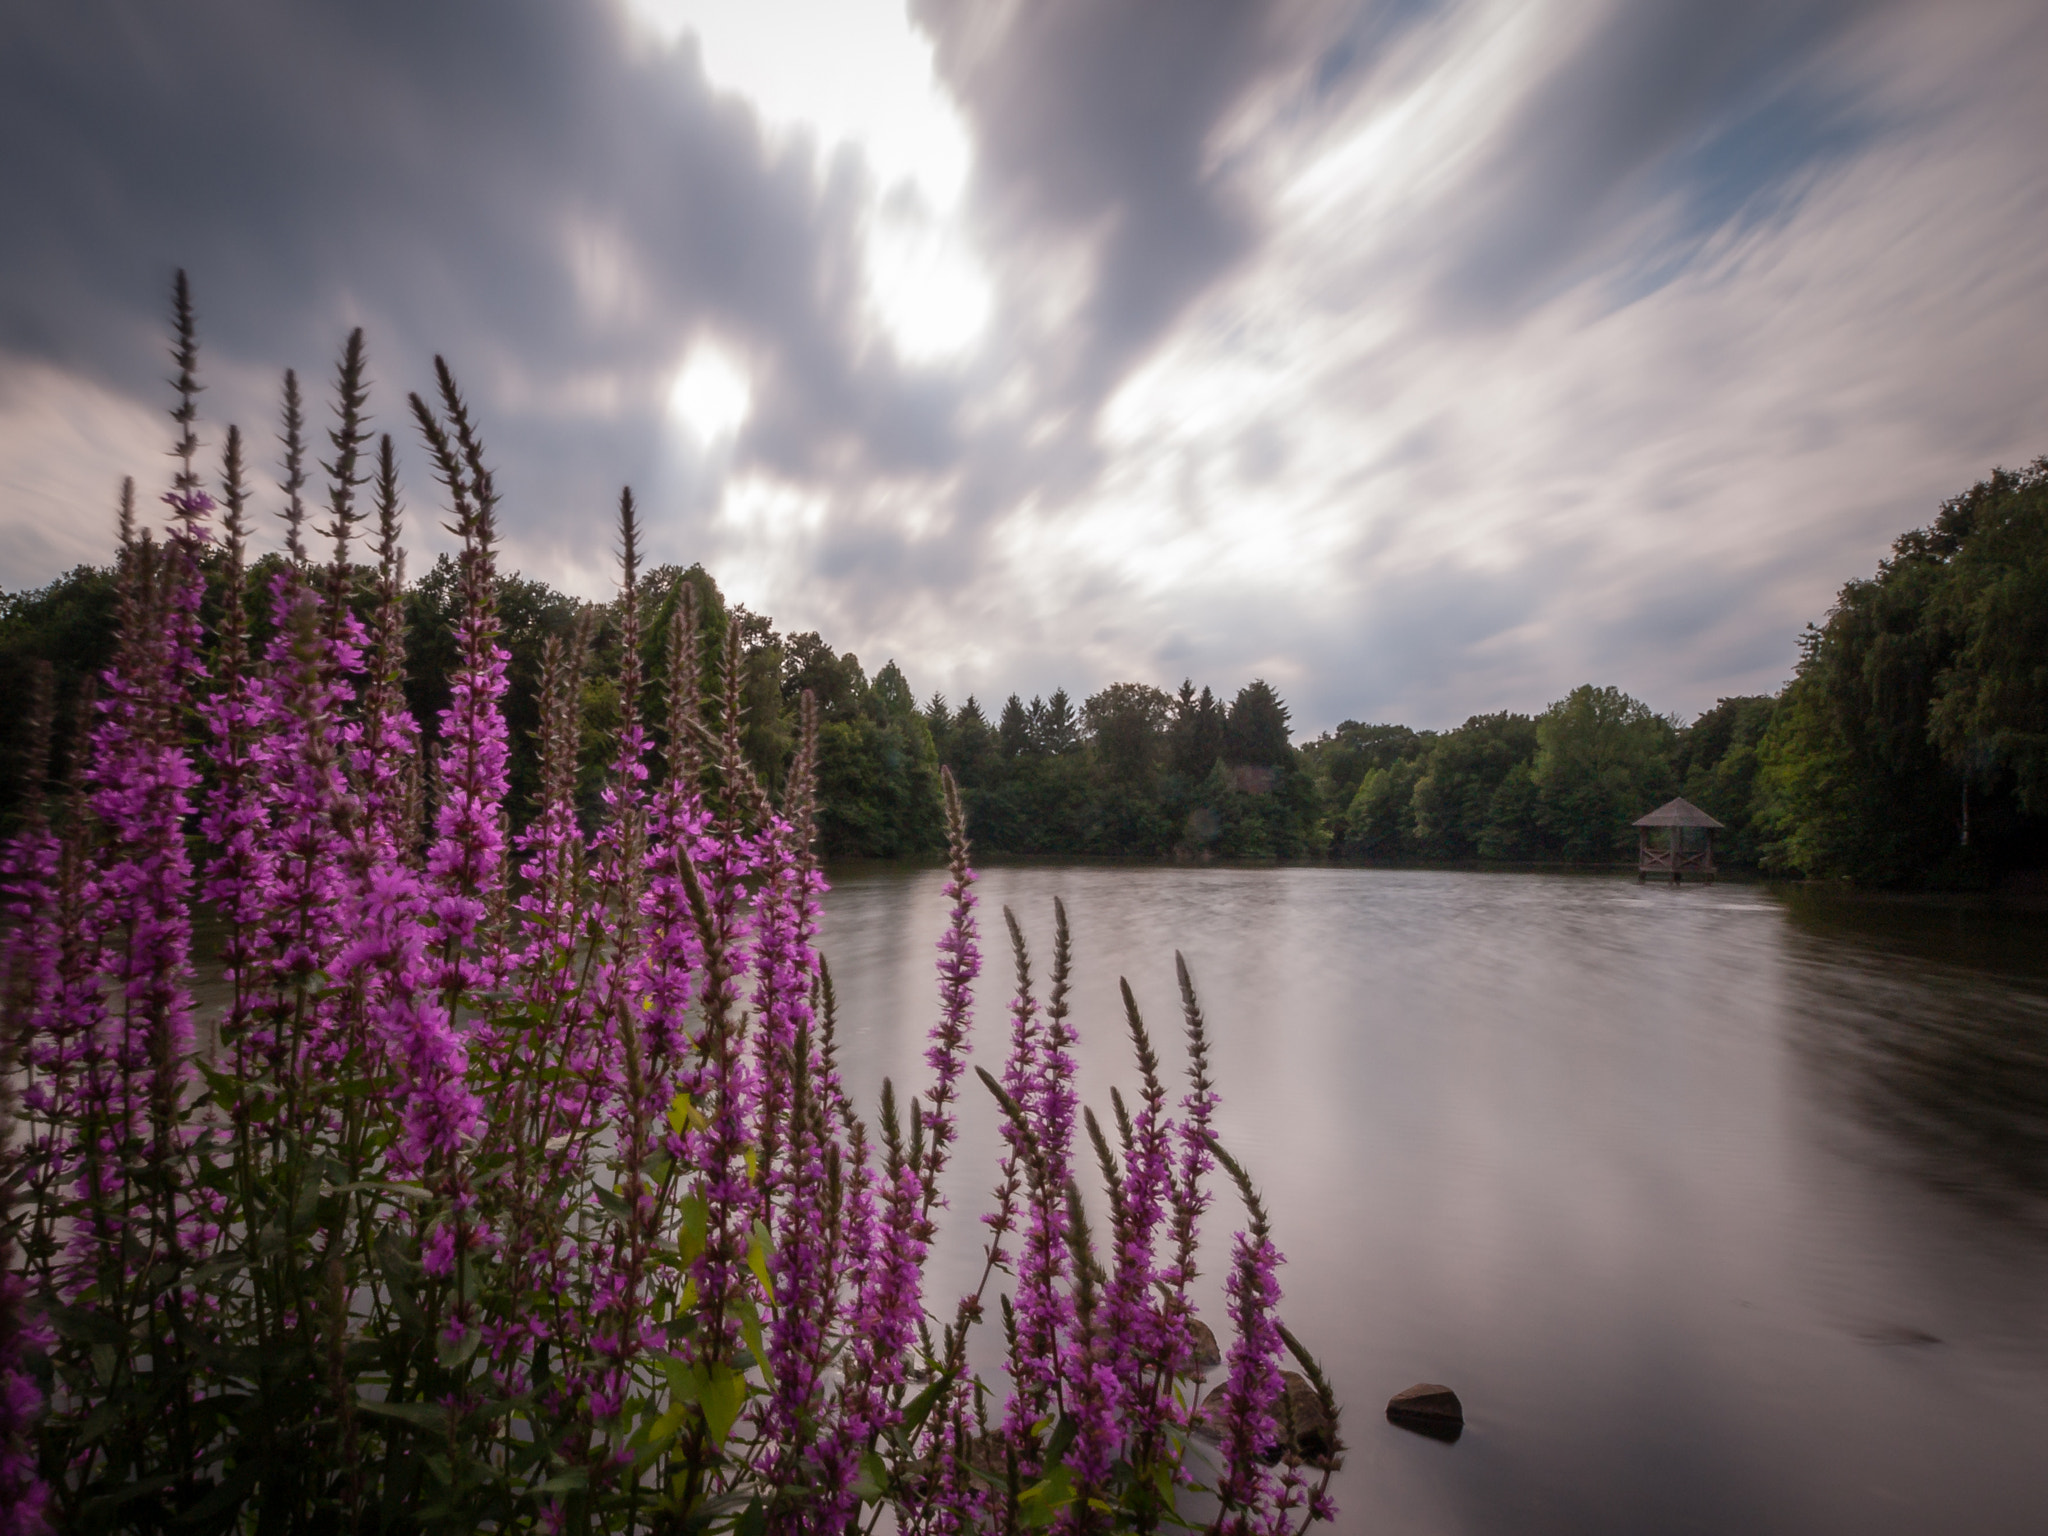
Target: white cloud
(711, 395)
(857, 73)
(64, 445)
(847, 71)
(925, 286)
(1659, 491)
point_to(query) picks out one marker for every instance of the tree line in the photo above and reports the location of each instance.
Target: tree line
(1910, 747)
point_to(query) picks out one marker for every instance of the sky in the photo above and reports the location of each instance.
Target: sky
(1423, 357)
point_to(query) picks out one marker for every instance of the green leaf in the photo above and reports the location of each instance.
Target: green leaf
(684, 1115)
(572, 1481)
(458, 1352)
(428, 1416)
(750, 1330)
(696, 1216)
(921, 1406)
(873, 1480)
(721, 1395)
(664, 1429)
(753, 1521)
(1038, 1504)
(384, 1187)
(1062, 1437)
(758, 1251)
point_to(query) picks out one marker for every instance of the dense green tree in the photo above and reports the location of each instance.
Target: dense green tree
(1602, 759)
(1127, 727)
(878, 791)
(1342, 758)
(1912, 746)
(891, 695)
(1014, 731)
(1990, 715)
(1055, 726)
(1907, 748)
(972, 750)
(1515, 826)
(1717, 764)
(1197, 731)
(1257, 732)
(528, 613)
(1454, 793)
(835, 681)
(1380, 820)
(68, 626)
(938, 719)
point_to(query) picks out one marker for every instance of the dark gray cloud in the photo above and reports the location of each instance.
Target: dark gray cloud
(1094, 120)
(439, 172)
(1420, 446)
(1713, 102)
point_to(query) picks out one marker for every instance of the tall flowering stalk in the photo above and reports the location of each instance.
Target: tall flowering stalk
(28, 896)
(513, 1183)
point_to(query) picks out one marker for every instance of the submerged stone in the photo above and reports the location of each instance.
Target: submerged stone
(1309, 1436)
(1428, 1409)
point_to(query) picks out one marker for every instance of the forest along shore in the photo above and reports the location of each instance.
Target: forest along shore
(1909, 749)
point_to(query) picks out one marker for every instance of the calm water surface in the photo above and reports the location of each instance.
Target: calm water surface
(1723, 1208)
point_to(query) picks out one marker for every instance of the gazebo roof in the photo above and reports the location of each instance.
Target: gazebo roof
(1677, 813)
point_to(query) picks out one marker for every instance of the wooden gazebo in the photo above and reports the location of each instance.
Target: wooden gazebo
(1688, 842)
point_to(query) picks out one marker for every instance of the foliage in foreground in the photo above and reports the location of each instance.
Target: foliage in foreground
(512, 1183)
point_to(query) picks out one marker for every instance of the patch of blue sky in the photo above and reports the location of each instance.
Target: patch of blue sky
(1749, 169)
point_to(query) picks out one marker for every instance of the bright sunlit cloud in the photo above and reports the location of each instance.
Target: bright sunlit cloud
(924, 286)
(850, 71)
(711, 395)
(858, 73)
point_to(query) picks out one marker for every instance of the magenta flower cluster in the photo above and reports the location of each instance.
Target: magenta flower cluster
(380, 1167)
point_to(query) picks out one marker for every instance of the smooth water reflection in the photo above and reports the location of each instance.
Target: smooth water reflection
(1722, 1209)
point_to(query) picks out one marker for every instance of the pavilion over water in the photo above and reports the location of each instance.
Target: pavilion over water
(1687, 842)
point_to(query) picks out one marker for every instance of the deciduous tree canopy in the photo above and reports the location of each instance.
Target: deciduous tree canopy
(1911, 747)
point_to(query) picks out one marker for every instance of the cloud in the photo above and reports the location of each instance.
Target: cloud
(1423, 358)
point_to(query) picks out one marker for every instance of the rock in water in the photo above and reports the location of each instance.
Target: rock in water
(1428, 1409)
(1207, 1355)
(1310, 1436)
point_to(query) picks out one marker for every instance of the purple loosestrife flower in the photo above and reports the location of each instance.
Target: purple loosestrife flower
(1189, 1198)
(140, 779)
(672, 950)
(1093, 1394)
(1245, 1420)
(714, 876)
(466, 860)
(621, 871)
(551, 909)
(406, 1011)
(465, 863)
(883, 1265)
(1253, 1387)
(959, 965)
(1043, 1310)
(311, 813)
(72, 1082)
(792, 1149)
(24, 1497)
(28, 898)
(1142, 1346)
(30, 935)
(385, 763)
(236, 821)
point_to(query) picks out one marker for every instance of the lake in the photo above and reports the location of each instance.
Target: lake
(1722, 1208)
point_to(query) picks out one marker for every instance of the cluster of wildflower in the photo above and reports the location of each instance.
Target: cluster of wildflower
(510, 1181)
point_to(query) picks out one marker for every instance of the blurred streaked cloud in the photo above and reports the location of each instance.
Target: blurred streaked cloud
(1424, 358)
